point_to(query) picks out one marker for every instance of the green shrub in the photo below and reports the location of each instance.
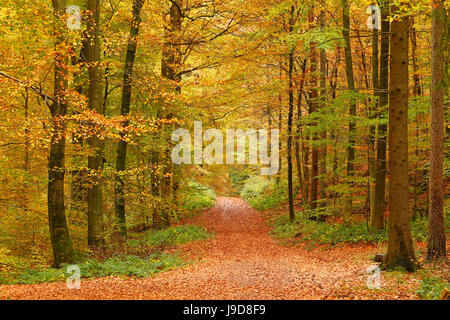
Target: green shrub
(326, 233)
(431, 287)
(198, 197)
(176, 235)
(126, 265)
(263, 194)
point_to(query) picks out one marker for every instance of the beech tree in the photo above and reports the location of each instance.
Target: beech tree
(59, 233)
(400, 251)
(95, 103)
(436, 235)
(125, 110)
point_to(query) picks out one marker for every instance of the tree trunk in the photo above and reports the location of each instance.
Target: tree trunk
(59, 232)
(124, 111)
(313, 108)
(95, 161)
(400, 248)
(372, 129)
(280, 126)
(323, 137)
(290, 116)
(377, 219)
(436, 234)
(348, 207)
(170, 63)
(299, 136)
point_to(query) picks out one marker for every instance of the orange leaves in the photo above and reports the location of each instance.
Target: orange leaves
(242, 261)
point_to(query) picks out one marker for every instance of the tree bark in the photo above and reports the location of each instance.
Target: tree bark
(124, 111)
(348, 207)
(372, 129)
(299, 136)
(290, 116)
(400, 251)
(59, 232)
(436, 234)
(323, 136)
(95, 95)
(377, 219)
(313, 108)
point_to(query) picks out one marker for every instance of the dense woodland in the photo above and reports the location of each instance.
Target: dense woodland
(87, 112)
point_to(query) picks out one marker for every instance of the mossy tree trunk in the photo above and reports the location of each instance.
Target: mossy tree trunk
(59, 232)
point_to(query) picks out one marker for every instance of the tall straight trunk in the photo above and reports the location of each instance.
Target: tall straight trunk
(171, 59)
(77, 185)
(400, 251)
(313, 108)
(124, 111)
(95, 96)
(436, 234)
(59, 232)
(299, 136)
(377, 219)
(26, 164)
(280, 125)
(290, 116)
(334, 136)
(323, 136)
(348, 207)
(372, 128)
(417, 91)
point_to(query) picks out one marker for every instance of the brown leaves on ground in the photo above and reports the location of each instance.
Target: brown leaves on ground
(242, 262)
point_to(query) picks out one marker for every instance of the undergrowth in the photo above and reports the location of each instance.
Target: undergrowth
(303, 229)
(263, 194)
(132, 265)
(198, 197)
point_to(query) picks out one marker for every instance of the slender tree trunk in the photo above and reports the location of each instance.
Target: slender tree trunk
(280, 127)
(400, 248)
(323, 137)
(59, 232)
(78, 190)
(124, 111)
(95, 95)
(372, 128)
(436, 234)
(334, 131)
(416, 93)
(280, 144)
(377, 219)
(290, 116)
(299, 135)
(348, 208)
(26, 164)
(313, 108)
(169, 69)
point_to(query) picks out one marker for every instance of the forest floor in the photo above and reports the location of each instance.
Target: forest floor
(243, 261)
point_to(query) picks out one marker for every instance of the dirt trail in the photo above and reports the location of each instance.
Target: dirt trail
(242, 262)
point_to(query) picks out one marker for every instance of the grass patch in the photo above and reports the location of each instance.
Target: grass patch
(176, 235)
(304, 229)
(138, 265)
(128, 265)
(263, 194)
(198, 197)
(431, 287)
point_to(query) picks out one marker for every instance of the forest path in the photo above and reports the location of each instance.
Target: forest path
(241, 262)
